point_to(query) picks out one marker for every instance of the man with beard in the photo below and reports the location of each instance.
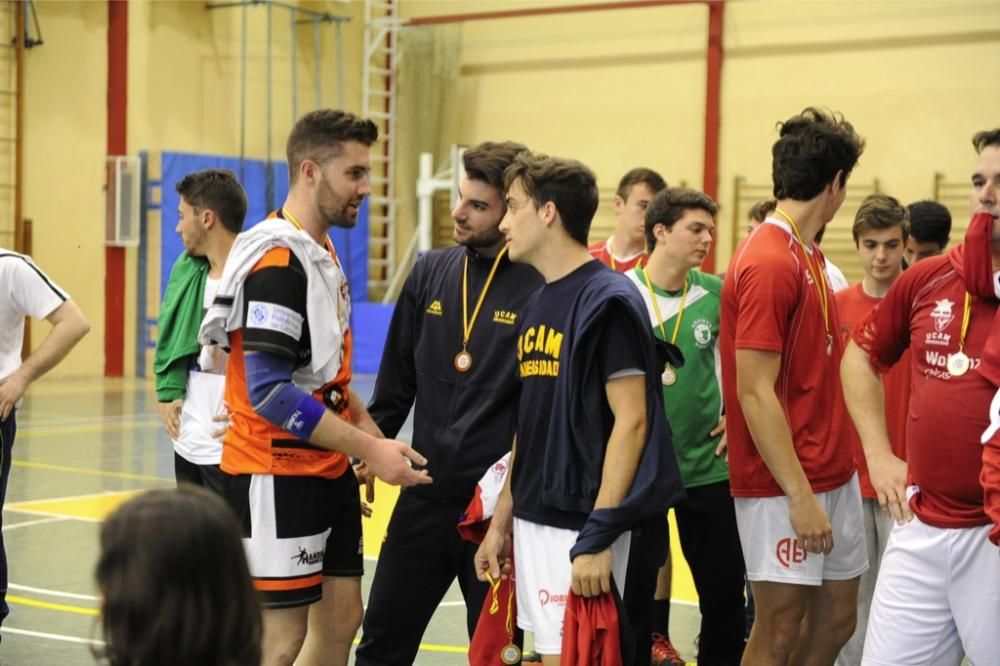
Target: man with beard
(283, 307)
(450, 350)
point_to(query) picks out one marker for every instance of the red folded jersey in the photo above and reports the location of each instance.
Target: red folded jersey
(591, 632)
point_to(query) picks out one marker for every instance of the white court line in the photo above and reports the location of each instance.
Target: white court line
(54, 637)
(52, 593)
(29, 523)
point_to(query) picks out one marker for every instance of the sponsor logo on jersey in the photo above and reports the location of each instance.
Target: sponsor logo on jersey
(942, 314)
(274, 317)
(435, 308)
(545, 598)
(938, 364)
(789, 551)
(504, 317)
(702, 332)
(305, 557)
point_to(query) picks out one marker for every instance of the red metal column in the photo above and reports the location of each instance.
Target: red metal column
(713, 94)
(114, 257)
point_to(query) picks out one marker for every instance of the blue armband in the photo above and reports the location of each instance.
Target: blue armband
(277, 399)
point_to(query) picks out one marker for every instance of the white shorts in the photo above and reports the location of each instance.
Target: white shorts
(543, 575)
(772, 552)
(937, 597)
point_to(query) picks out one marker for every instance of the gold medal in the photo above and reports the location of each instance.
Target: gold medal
(669, 377)
(463, 361)
(510, 654)
(958, 364)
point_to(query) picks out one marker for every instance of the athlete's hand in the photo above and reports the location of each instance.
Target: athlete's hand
(223, 419)
(12, 388)
(390, 460)
(888, 476)
(366, 479)
(170, 414)
(811, 524)
(493, 555)
(592, 574)
(723, 447)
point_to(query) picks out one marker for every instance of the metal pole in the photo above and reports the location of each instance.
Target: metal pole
(340, 70)
(243, 91)
(295, 87)
(268, 176)
(317, 54)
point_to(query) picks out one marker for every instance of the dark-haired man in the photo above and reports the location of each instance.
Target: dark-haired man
(626, 248)
(449, 351)
(879, 233)
(938, 592)
(682, 306)
(796, 491)
(190, 379)
(593, 458)
(930, 227)
(283, 308)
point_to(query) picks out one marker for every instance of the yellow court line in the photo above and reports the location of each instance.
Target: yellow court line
(85, 470)
(48, 605)
(96, 427)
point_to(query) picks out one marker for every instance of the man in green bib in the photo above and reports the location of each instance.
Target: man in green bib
(683, 305)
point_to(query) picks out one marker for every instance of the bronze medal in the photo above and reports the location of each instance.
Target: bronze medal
(463, 361)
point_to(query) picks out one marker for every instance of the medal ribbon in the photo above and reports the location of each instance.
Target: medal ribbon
(467, 324)
(966, 318)
(656, 308)
(819, 281)
(495, 604)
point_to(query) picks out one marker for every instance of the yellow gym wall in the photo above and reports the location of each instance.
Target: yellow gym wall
(183, 95)
(65, 138)
(617, 89)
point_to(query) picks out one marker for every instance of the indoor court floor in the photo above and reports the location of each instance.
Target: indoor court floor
(83, 447)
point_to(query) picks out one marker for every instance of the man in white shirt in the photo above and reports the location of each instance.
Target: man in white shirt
(27, 291)
(191, 379)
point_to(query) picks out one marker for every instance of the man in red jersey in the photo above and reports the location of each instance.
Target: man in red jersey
(792, 475)
(938, 592)
(880, 235)
(626, 248)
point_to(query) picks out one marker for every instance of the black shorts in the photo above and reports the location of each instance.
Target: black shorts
(209, 477)
(296, 531)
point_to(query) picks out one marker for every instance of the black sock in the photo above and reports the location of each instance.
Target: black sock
(661, 617)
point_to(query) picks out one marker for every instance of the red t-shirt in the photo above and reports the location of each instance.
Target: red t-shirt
(769, 303)
(601, 252)
(853, 305)
(923, 312)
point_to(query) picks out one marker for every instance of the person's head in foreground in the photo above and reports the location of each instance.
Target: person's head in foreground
(174, 583)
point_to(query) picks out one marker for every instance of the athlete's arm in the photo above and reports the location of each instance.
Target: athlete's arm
(627, 400)
(69, 325)
(493, 555)
(276, 398)
(756, 374)
(866, 404)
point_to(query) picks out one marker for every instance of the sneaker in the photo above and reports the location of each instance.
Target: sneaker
(664, 653)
